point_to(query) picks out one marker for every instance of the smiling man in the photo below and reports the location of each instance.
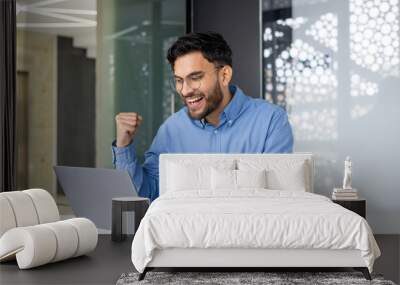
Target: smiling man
(218, 116)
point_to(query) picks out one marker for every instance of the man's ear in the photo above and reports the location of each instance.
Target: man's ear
(226, 75)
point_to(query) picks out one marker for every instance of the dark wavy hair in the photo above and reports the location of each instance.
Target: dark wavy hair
(212, 45)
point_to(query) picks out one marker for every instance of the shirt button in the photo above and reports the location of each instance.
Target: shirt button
(230, 122)
(215, 131)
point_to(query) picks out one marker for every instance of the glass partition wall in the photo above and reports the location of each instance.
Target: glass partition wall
(133, 72)
(79, 63)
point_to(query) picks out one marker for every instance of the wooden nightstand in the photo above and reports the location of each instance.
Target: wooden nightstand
(358, 206)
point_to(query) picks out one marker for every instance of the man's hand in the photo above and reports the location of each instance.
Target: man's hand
(127, 125)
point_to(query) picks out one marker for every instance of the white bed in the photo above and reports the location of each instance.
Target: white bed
(224, 216)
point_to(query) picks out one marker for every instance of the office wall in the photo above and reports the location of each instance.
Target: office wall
(239, 22)
(36, 57)
(75, 105)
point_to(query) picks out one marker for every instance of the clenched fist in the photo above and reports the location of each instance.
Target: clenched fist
(127, 125)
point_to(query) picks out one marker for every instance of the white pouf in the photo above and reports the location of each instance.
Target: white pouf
(31, 233)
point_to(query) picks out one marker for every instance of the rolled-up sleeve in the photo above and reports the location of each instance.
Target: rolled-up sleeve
(144, 177)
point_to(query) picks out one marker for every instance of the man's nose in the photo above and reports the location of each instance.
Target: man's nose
(186, 89)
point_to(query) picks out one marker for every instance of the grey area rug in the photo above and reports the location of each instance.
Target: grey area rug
(229, 278)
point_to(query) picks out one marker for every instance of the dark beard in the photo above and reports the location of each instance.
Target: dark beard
(212, 103)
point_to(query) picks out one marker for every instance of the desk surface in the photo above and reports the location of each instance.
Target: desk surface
(102, 266)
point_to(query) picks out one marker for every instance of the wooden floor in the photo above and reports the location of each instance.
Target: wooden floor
(103, 266)
(110, 260)
(389, 262)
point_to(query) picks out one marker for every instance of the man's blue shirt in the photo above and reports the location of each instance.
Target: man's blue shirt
(247, 125)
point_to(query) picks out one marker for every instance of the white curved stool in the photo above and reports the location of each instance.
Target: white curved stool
(31, 233)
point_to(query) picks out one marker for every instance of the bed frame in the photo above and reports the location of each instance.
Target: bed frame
(244, 259)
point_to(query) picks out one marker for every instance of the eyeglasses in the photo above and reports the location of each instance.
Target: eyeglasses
(193, 81)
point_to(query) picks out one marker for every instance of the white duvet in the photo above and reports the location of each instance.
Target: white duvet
(252, 218)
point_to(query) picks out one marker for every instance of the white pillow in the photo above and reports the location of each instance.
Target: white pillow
(185, 175)
(251, 178)
(223, 179)
(236, 179)
(292, 178)
(281, 174)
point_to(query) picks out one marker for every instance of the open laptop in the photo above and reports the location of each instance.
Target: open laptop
(90, 191)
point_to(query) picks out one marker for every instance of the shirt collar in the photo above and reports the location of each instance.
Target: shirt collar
(232, 110)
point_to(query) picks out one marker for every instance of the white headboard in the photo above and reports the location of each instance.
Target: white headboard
(209, 158)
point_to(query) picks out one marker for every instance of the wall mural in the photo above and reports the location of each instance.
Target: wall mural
(302, 69)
